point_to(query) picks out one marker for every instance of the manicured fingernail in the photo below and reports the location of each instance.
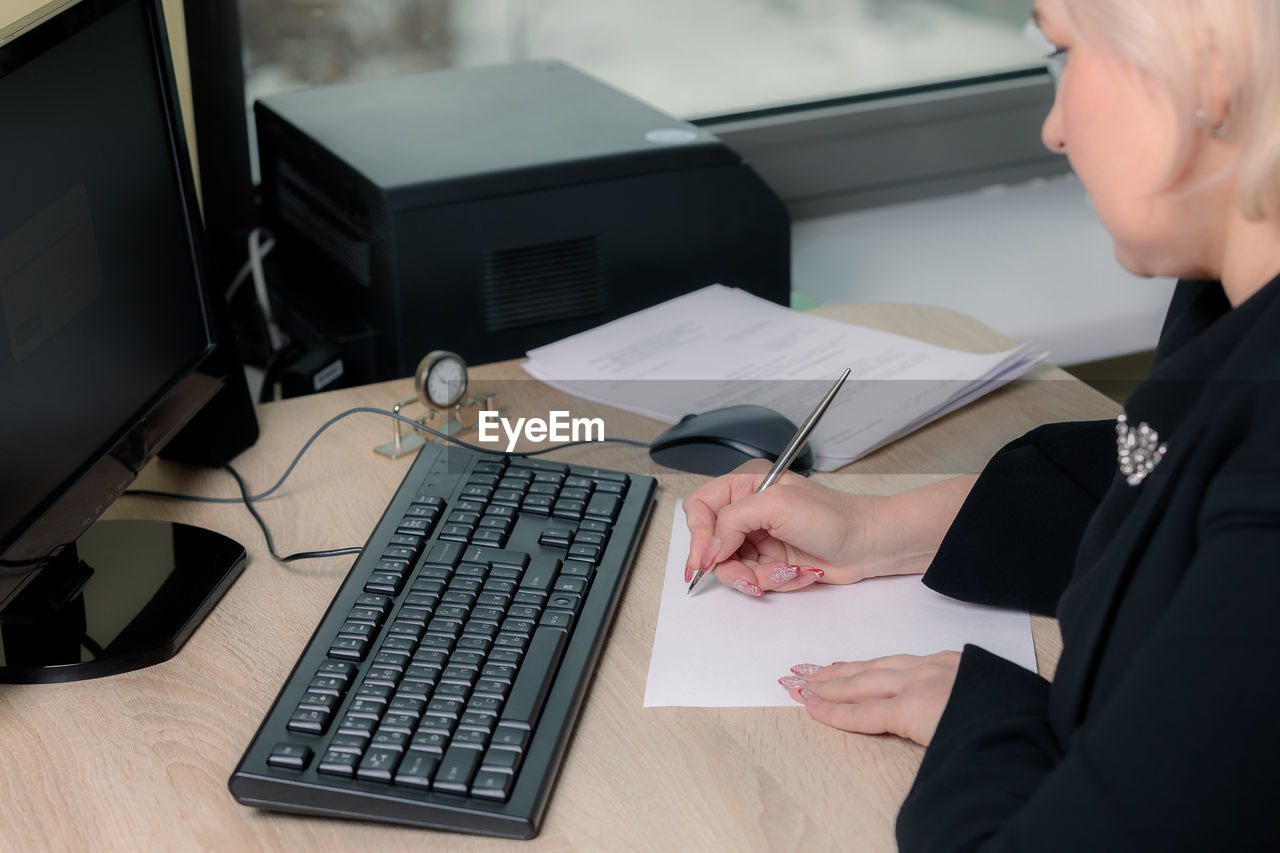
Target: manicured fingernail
(782, 574)
(805, 668)
(746, 586)
(791, 681)
(688, 573)
(709, 555)
(808, 695)
(819, 572)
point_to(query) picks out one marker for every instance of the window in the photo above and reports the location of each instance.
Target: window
(690, 59)
(838, 103)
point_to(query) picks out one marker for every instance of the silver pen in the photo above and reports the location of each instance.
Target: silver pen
(789, 453)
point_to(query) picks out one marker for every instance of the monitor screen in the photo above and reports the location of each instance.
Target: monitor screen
(102, 316)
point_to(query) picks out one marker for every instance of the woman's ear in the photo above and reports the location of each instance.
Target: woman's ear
(1215, 90)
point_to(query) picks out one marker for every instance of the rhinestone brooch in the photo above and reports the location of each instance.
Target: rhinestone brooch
(1139, 450)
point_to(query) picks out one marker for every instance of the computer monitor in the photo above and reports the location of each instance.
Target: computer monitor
(104, 326)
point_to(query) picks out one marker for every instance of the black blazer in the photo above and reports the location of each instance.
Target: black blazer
(1160, 729)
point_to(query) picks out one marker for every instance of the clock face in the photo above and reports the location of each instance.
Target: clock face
(446, 378)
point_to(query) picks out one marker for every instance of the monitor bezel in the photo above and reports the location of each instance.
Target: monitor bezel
(45, 527)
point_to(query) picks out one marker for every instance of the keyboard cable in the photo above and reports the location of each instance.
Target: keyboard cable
(248, 500)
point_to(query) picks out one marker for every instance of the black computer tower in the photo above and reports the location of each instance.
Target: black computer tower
(488, 211)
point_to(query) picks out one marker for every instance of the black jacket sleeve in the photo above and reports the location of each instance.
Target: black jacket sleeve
(1014, 542)
(1183, 753)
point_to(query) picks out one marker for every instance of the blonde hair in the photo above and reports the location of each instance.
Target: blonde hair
(1170, 38)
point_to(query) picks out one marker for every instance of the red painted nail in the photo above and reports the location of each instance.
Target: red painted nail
(791, 681)
(747, 587)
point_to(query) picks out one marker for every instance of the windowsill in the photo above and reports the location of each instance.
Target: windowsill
(1032, 262)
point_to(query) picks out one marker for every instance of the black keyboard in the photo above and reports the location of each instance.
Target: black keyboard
(441, 686)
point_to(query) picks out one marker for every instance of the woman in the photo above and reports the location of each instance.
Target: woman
(1155, 540)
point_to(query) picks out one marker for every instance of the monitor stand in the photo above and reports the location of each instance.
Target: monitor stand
(125, 595)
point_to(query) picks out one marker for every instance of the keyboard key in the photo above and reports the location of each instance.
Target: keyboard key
(445, 706)
(538, 504)
(570, 601)
(490, 536)
(509, 737)
(537, 465)
(407, 705)
(387, 738)
(326, 702)
(456, 533)
(507, 497)
(357, 726)
(470, 737)
(492, 687)
(495, 557)
(371, 708)
(568, 509)
(443, 555)
(327, 684)
(290, 756)
(557, 619)
(339, 763)
(378, 765)
(555, 537)
(586, 537)
(571, 584)
(348, 648)
(492, 786)
(430, 740)
(366, 615)
(541, 574)
(399, 724)
(471, 570)
(524, 704)
(361, 630)
(375, 690)
(417, 769)
(493, 599)
(478, 720)
(500, 760)
(337, 669)
(577, 568)
(582, 551)
(603, 507)
(305, 722)
(348, 743)
(386, 583)
(457, 769)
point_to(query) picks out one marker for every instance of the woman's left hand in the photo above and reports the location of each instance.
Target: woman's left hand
(900, 694)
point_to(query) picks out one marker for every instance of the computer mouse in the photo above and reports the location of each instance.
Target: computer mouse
(717, 441)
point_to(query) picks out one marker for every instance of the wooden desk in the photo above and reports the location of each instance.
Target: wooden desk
(140, 761)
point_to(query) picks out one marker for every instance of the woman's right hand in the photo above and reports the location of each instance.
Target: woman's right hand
(798, 532)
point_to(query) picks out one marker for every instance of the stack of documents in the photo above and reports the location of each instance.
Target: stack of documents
(720, 346)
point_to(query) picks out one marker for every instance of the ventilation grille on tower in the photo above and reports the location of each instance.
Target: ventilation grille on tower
(543, 283)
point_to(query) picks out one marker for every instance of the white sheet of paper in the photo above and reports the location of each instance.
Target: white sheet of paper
(720, 346)
(720, 648)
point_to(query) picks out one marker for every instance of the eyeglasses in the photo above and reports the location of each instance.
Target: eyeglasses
(1055, 58)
